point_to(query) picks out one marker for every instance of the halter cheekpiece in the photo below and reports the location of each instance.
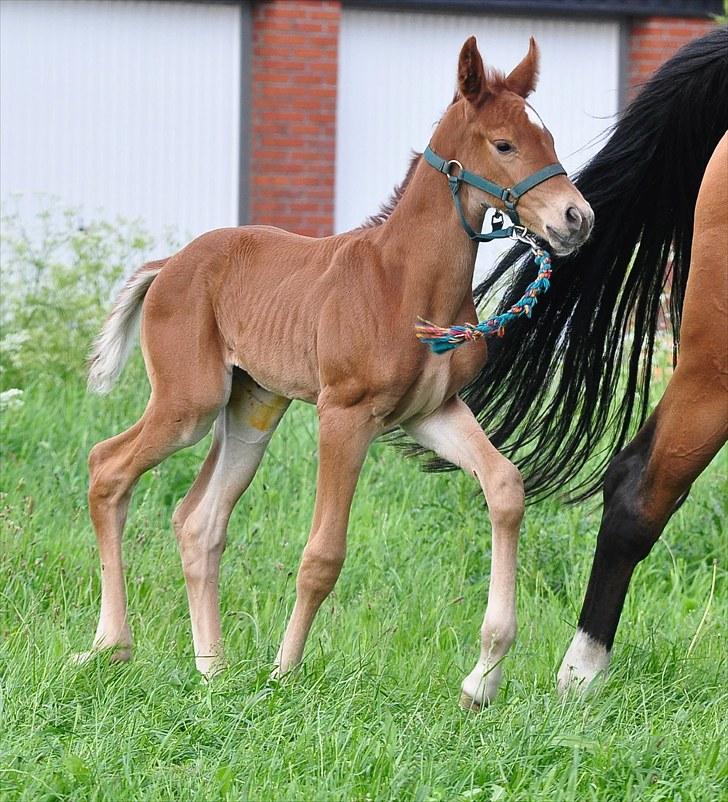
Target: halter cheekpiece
(442, 339)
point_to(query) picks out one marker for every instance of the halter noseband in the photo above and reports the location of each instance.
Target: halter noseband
(509, 195)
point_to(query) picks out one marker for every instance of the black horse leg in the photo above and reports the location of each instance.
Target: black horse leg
(644, 484)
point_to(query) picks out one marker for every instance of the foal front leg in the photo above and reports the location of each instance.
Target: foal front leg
(344, 437)
(453, 433)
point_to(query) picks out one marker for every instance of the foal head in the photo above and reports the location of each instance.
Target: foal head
(494, 132)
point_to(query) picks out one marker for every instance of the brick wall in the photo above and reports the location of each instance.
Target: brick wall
(654, 39)
(293, 114)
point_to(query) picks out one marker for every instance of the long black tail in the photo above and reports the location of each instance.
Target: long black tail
(554, 392)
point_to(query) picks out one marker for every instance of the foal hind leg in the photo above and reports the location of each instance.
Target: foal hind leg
(186, 397)
(242, 432)
(453, 433)
(115, 465)
(108, 516)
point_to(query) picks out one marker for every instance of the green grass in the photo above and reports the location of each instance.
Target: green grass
(373, 713)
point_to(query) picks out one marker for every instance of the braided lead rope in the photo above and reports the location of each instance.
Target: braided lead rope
(442, 339)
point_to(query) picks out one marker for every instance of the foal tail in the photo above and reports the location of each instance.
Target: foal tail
(114, 342)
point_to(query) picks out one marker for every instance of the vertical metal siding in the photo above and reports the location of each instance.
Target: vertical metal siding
(123, 108)
(397, 75)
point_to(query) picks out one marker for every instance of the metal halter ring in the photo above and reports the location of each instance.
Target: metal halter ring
(522, 234)
(448, 168)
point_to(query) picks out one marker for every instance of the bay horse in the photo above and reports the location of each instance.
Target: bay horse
(549, 392)
(243, 320)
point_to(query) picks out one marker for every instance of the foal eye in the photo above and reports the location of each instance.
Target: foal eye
(503, 147)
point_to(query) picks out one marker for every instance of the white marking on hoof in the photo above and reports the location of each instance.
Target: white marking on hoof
(480, 686)
(584, 659)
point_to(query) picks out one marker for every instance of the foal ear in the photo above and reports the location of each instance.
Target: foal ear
(471, 72)
(524, 77)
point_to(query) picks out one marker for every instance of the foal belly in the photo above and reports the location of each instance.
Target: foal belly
(440, 378)
(429, 393)
(290, 379)
(277, 350)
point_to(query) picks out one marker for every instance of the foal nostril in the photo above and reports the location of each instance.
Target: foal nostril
(574, 218)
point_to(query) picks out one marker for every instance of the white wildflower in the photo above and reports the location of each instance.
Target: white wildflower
(11, 346)
(11, 399)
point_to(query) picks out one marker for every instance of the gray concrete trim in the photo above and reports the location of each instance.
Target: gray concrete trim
(583, 8)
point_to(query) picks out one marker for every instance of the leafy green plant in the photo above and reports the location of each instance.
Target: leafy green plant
(57, 283)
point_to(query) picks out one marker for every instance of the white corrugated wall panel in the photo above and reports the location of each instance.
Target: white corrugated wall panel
(397, 75)
(123, 109)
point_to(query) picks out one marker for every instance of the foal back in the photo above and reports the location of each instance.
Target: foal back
(246, 297)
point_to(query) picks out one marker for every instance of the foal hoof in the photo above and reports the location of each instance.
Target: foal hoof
(468, 703)
(210, 673)
(282, 672)
(277, 675)
(480, 687)
(114, 654)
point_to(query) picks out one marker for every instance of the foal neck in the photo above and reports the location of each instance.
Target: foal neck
(424, 242)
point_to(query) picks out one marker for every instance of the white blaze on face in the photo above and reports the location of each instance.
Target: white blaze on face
(533, 117)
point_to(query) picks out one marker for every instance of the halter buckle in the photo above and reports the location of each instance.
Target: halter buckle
(509, 199)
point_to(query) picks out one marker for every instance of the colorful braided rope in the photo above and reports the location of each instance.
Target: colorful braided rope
(442, 340)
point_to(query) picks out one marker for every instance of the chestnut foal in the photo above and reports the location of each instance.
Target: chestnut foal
(243, 320)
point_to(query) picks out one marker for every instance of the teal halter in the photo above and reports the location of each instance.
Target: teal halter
(442, 339)
(509, 195)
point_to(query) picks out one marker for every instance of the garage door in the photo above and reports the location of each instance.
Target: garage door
(122, 108)
(397, 75)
